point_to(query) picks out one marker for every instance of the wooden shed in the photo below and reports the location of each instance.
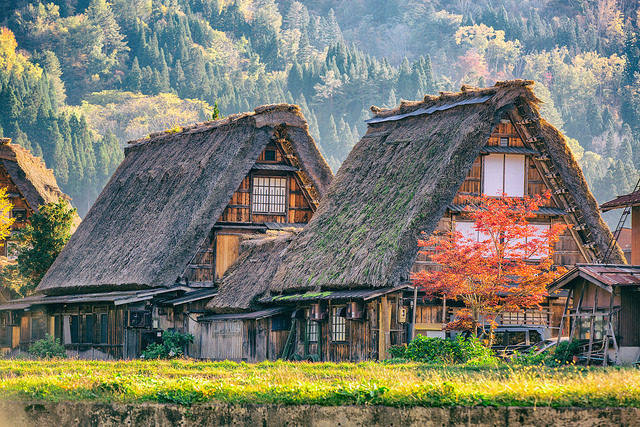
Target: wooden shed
(603, 311)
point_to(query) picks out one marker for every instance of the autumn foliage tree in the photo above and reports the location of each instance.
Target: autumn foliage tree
(506, 269)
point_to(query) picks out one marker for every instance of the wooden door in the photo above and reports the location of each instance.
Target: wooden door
(227, 247)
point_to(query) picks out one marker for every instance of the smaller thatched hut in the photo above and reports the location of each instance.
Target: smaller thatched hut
(28, 182)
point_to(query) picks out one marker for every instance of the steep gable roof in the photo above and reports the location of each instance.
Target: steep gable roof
(36, 183)
(400, 178)
(166, 195)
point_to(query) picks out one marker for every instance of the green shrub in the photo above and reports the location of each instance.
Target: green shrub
(439, 350)
(172, 346)
(564, 352)
(48, 348)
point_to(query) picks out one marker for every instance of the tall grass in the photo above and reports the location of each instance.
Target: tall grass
(187, 382)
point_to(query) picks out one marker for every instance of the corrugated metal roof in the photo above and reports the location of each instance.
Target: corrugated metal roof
(621, 201)
(115, 297)
(256, 315)
(430, 110)
(364, 294)
(192, 296)
(508, 150)
(268, 167)
(603, 275)
(541, 211)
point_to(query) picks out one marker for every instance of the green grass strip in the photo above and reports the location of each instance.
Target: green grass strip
(188, 382)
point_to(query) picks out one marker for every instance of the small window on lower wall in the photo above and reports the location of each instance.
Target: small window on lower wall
(338, 325)
(312, 331)
(19, 214)
(280, 323)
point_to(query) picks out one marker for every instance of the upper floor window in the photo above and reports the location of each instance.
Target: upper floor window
(269, 195)
(270, 155)
(504, 142)
(504, 173)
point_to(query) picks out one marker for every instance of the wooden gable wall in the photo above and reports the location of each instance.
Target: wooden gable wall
(298, 209)
(568, 249)
(222, 246)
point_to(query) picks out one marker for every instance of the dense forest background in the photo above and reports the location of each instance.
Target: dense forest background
(79, 78)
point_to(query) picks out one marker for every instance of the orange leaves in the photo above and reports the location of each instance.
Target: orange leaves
(506, 268)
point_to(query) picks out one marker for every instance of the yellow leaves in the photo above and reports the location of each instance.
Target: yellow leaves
(8, 47)
(5, 209)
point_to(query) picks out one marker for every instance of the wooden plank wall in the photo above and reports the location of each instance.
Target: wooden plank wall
(362, 336)
(227, 249)
(222, 340)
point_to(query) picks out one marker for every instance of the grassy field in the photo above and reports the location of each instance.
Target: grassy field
(187, 382)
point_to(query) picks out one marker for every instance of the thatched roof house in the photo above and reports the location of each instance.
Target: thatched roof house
(162, 202)
(35, 183)
(404, 173)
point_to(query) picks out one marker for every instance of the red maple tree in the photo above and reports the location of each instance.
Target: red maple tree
(507, 268)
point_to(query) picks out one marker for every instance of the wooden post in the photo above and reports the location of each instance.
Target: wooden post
(564, 314)
(413, 313)
(383, 328)
(635, 235)
(578, 308)
(591, 325)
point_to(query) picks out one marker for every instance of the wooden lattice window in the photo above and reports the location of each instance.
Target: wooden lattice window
(269, 195)
(338, 325)
(312, 331)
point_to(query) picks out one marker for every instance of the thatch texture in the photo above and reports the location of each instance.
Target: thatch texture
(164, 198)
(36, 183)
(398, 181)
(251, 274)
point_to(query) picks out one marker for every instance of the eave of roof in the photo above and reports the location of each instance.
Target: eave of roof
(255, 315)
(362, 294)
(115, 297)
(431, 110)
(605, 276)
(631, 199)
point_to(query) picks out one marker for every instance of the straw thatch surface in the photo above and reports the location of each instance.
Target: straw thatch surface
(398, 181)
(164, 198)
(36, 183)
(250, 275)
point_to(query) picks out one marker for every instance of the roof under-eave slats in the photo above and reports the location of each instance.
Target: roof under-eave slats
(196, 295)
(270, 167)
(508, 150)
(430, 110)
(541, 211)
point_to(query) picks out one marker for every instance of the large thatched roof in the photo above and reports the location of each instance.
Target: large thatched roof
(164, 198)
(36, 183)
(251, 274)
(399, 179)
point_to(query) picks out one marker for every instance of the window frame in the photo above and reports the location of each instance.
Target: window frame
(311, 331)
(338, 325)
(269, 203)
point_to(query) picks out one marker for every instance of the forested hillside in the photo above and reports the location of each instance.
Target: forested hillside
(79, 78)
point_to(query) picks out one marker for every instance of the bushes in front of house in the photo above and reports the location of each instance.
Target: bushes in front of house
(172, 346)
(48, 348)
(443, 350)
